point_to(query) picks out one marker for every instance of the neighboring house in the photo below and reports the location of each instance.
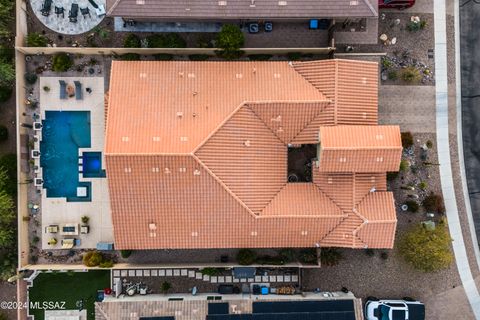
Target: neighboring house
(249, 154)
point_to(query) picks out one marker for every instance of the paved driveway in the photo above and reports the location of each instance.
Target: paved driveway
(411, 107)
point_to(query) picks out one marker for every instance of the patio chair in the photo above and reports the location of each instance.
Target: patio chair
(85, 12)
(60, 11)
(63, 89)
(93, 4)
(46, 7)
(78, 90)
(73, 14)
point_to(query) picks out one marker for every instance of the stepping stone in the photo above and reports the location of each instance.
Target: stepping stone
(146, 273)
(264, 278)
(258, 278)
(251, 279)
(176, 272)
(288, 278)
(273, 279)
(169, 272)
(279, 278)
(206, 277)
(221, 279)
(228, 279)
(116, 273)
(236, 280)
(295, 278)
(198, 275)
(138, 273)
(154, 273)
(243, 280)
(161, 272)
(124, 273)
(191, 274)
(184, 272)
(213, 279)
(131, 273)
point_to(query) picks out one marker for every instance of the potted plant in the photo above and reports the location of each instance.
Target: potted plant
(85, 219)
(46, 88)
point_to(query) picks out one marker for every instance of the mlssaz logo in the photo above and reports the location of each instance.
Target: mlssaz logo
(48, 305)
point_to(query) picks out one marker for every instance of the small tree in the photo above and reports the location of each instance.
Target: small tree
(411, 75)
(92, 258)
(7, 74)
(165, 287)
(132, 41)
(35, 39)
(125, 253)
(230, 39)
(330, 256)
(407, 139)
(246, 256)
(61, 62)
(427, 250)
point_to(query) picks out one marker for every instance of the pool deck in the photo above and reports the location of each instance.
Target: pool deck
(58, 210)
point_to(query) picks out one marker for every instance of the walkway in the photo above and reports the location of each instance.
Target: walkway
(61, 23)
(444, 158)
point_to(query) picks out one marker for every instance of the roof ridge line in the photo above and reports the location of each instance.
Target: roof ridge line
(113, 7)
(326, 106)
(362, 148)
(328, 197)
(265, 124)
(163, 154)
(369, 5)
(219, 181)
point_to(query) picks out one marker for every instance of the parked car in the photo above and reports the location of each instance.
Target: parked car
(406, 309)
(398, 4)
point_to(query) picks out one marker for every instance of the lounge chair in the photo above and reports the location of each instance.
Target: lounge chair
(60, 11)
(46, 7)
(73, 14)
(93, 3)
(85, 12)
(78, 90)
(63, 89)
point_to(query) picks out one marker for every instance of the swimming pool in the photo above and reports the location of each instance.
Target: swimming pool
(63, 133)
(92, 165)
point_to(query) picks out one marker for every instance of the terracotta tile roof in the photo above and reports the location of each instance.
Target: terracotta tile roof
(242, 9)
(225, 186)
(360, 148)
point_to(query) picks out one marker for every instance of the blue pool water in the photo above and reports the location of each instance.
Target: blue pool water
(63, 133)
(92, 165)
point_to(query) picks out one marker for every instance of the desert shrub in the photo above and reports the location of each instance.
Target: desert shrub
(386, 63)
(259, 57)
(85, 219)
(125, 253)
(130, 57)
(434, 203)
(392, 175)
(404, 165)
(429, 144)
(165, 287)
(132, 41)
(384, 255)
(210, 271)
(169, 40)
(413, 206)
(203, 42)
(423, 185)
(308, 256)
(272, 260)
(5, 93)
(61, 62)
(392, 75)
(246, 256)
(330, 256)
(92, 258)
(427, 250)
(416, 26)
(407, 139)
(369, 252)
(198, 57)
(30, 78)
(163, 57)
(229, 40)
(106, 264)
(294, 56)
(411, 75)
(3, 133)
(35, 39)
(288, 255)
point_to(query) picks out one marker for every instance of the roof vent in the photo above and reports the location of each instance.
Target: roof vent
(194, 93)
(181, 74)
(252, 4)
(277, 118)
(364, 80)
(167, 171)
(247, 143)
(276, 75)
(373, 189)
(152, 226)
(282, 3)
(179, 114)
(239, 76)
(379, 137)
(343, 159)
(140, 2)
(128, 169)
(194, 114)
(379, 159)
(280, 129)
(372, 179)
(354, 2)
(330, 180)
(182, 169)
(196, 172)
(222, 3)
(156, 139)
(194, 234)
(184, 139)
(125, 139)
(187, 9)
(304, 233)
(191, 75)
(143, 75)
(254, 70)
(364, 115)
(254, 233)
(155, 169)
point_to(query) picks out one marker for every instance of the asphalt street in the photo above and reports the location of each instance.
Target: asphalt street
(470, 66)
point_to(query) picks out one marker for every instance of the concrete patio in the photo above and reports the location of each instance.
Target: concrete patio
(60, 22)
(58, 211)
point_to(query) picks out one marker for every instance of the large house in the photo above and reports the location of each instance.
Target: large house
(249, 154)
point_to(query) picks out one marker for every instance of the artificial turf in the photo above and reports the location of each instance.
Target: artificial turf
(69, 287)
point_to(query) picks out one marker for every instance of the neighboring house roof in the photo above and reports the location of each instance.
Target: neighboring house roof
(360, 148)
(240, 9)
(196, 156)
